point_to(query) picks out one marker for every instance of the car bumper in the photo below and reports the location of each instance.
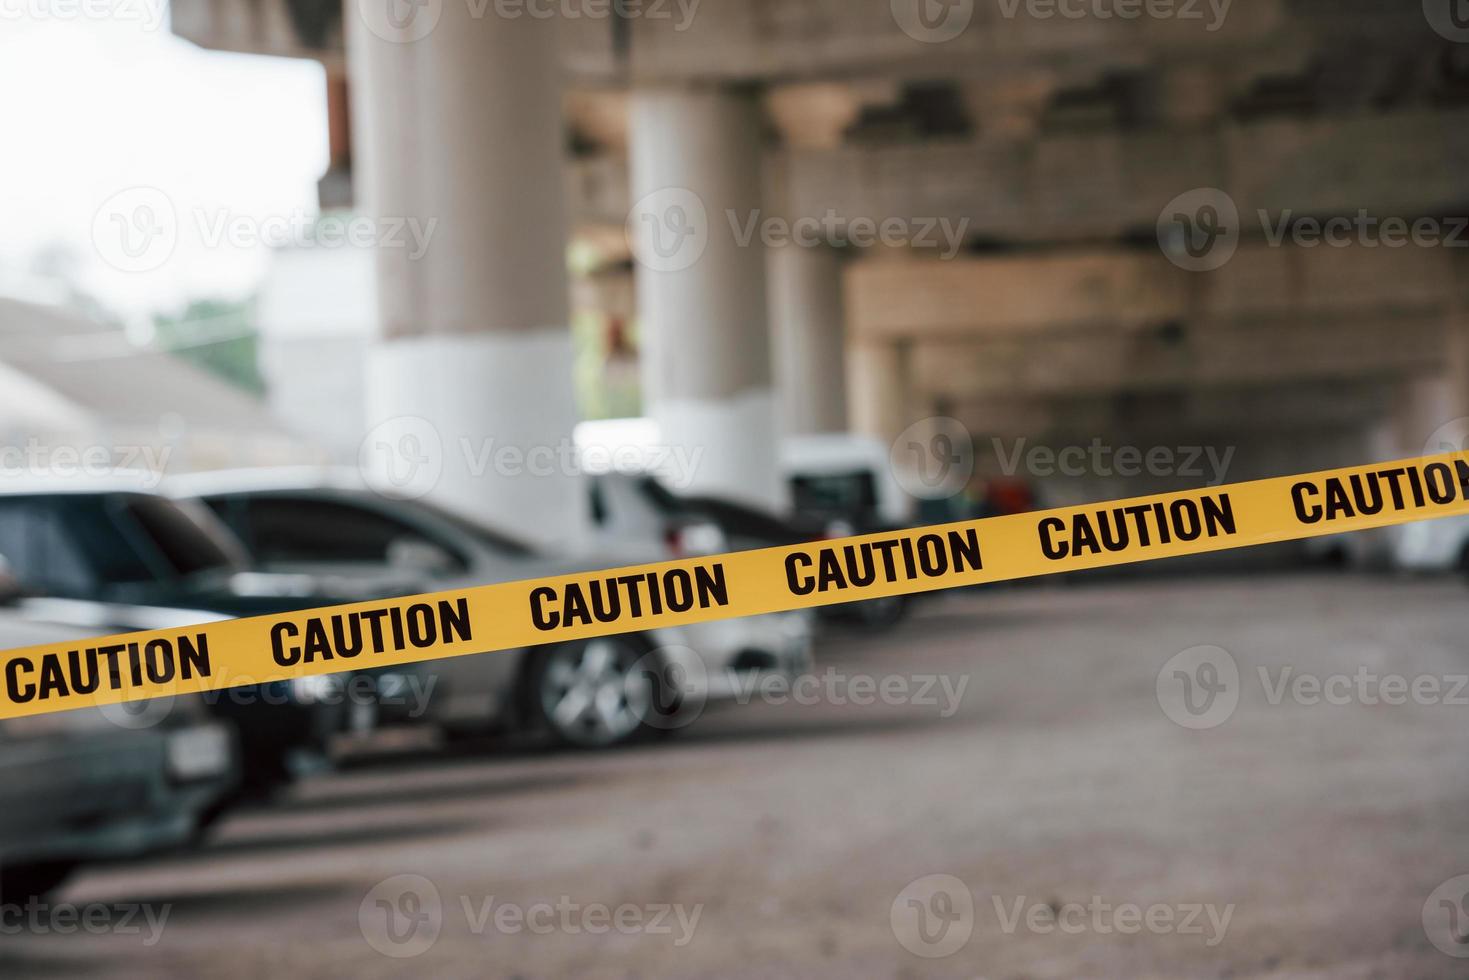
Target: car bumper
(111, 794)
(719, 657)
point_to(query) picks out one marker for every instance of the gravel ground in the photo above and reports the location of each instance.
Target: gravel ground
(1079, 830)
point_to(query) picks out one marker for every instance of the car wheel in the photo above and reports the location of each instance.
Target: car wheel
(594, 694)
(21, 882)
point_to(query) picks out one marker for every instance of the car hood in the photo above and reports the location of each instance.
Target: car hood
(606, 556)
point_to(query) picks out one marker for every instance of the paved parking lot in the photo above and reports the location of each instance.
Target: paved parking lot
(1084, 833)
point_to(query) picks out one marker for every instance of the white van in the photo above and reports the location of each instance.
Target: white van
(845, 477)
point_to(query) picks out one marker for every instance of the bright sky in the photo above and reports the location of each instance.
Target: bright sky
(97, 103)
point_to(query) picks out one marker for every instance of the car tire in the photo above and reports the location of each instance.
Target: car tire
(597, 693)
(19, 883)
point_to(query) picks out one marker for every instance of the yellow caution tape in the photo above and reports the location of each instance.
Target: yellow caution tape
(514, 615)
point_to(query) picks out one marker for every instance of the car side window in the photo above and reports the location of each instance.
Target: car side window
(286, 529)
(41, 554)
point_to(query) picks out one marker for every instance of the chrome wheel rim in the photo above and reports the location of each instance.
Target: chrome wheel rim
(593, 693)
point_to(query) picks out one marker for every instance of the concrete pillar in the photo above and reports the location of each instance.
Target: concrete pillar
(459, 131)
(1456, 376)
(807, 317)
(1424, 412)
(696, 168)
(879, 380)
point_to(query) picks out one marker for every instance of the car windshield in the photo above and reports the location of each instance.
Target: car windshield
(835, 493)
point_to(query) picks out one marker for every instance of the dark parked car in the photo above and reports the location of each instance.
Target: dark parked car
(592, 694)
(120, 545)
(100, 784)
(637, 504)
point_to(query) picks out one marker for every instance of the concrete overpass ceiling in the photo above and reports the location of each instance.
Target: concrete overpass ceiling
(1052, 146)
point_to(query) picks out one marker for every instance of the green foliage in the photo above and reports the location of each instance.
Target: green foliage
(218, 336)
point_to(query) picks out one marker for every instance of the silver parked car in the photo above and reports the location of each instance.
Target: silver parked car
(101, 784)
(592, 693)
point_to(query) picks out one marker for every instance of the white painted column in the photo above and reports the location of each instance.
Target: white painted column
(706, 364)
(459, 133)
(1428, 417)
(808, 319)
(878, 378)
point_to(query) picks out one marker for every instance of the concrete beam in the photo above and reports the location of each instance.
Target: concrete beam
(793, 40)
(1125, 292)
(1209, 355)
(1111, 184)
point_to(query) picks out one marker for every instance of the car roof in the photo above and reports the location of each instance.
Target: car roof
(216, 483)
(116, 481)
